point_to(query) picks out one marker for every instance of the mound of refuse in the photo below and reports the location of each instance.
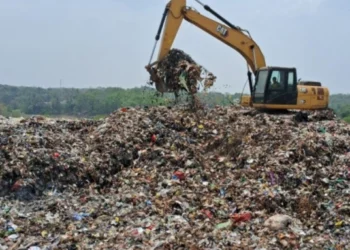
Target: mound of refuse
(157, 178)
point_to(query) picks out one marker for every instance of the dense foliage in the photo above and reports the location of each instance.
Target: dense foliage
(341, 104)
(17, 101)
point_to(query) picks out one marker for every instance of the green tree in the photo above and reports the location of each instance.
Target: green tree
(3, 110)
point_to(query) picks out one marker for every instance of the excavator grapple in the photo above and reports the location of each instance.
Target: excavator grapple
(178, 71)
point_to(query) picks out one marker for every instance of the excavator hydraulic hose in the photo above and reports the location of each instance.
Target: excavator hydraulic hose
(160, 28)
(207, 8)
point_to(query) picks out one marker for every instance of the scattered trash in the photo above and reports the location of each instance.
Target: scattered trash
(224, 225)
(34, 248)
(259, 181)
(80, 216)
(243, 217)
(278, 222)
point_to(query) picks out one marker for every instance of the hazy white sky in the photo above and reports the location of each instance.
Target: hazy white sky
(99, 43)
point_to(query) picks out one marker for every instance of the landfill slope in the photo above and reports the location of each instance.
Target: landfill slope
(159, 178)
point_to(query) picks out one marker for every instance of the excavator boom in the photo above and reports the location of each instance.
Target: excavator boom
(274, 87)
(232, 36)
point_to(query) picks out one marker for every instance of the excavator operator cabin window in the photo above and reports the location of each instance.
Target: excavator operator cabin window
(277, 80)
(261, 83)
(291, 80)
(277, 75)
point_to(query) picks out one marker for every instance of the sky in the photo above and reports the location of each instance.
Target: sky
(107, 43)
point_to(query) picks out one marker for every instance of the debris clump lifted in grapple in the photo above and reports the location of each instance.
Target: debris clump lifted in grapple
(178, 71)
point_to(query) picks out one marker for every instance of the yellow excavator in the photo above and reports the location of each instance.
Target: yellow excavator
(274, 88)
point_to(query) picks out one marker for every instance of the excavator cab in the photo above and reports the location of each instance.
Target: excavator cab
(275, 85)
(277, 88)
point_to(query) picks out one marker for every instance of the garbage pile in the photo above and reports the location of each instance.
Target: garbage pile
(178, 71)
(317, 115)
(158, 179)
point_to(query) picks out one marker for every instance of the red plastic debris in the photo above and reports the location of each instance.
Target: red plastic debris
(242, 217)
(17, 185)
(207, 213)
(180, 175)
(83, 199)
(154, 138)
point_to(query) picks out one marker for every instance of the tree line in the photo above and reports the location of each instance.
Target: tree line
(18, 101)
(97, 102)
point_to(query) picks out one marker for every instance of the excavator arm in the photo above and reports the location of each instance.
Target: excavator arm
(233, 36)
(265, 94)
(240, 40)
